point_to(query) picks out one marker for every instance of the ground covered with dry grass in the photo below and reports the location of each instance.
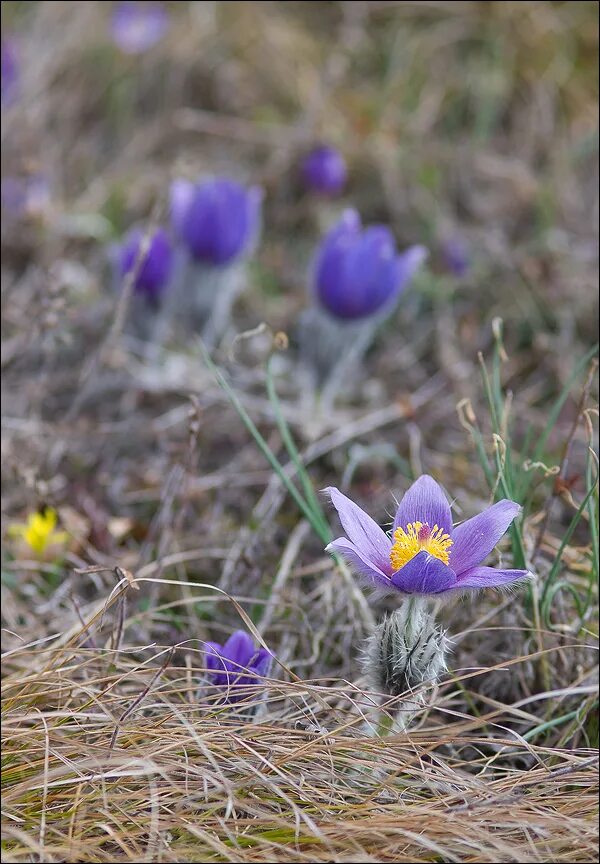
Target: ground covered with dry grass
(477, 118)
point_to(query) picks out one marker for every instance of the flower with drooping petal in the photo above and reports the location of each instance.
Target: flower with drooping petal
(358, 271)
(425, 554)
(324, 170)
(137, 27)
(150, 258)
(217, 220)
(9, 70)
(455, 254)
(236, 665)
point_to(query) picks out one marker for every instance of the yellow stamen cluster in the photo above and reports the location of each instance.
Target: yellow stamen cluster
(418, 537)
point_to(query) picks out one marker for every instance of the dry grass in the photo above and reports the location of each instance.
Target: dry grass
(111, 762)
(482, 115)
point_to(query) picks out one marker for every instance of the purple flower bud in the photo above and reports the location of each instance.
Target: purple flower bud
(9, 70)
(218, 220)
(236, 665)
(358, 271)
(324, 170)
(137, 27)
(455, 254)
(156, 264)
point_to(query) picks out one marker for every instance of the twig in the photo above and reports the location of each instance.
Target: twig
(139, 698)
(290, 553)
(557, 485)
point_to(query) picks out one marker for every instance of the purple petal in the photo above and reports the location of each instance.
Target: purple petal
(370, 273)
(240, 686)
(456, 257)
(154, 270)
(13, 194)
(213, 656)
(475, 538)
(424, 574)
(260, 662)
(9, 68)
(331, 253)
(136, 27)
(371, 542)
(408, 262)
(489, 577)
(348, 223)
(362, 567)
(221, 221)
(324, 170)
(357, 273)
(239, 648)
(181, 195)
(24, 197)
(424, 502)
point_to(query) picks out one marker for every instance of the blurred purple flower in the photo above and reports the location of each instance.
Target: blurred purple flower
(14, 195)
(455, 254)
(137, 27)
(236, 665)
(218, 220)
(324, 170)
(26, 197)
(358, 271)
(9, 70)
(425, 554)
(155, 267)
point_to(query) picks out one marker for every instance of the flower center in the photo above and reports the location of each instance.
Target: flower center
(419, 537)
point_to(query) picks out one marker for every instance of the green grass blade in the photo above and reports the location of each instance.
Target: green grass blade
(284, 430)
(303, 505)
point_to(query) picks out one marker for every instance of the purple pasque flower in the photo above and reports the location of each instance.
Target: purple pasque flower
(425, 554)
(455, 255)
(152, 263)
(236, 665)
(358, 272)
(9, 70)
(137, 27)
(324, 170)
(218, 220)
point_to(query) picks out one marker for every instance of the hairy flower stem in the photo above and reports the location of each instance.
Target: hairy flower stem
(203, 299)
(215, 291)
(331, 351)
(407, 649)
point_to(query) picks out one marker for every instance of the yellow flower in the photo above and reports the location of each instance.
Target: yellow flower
(39, 532)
